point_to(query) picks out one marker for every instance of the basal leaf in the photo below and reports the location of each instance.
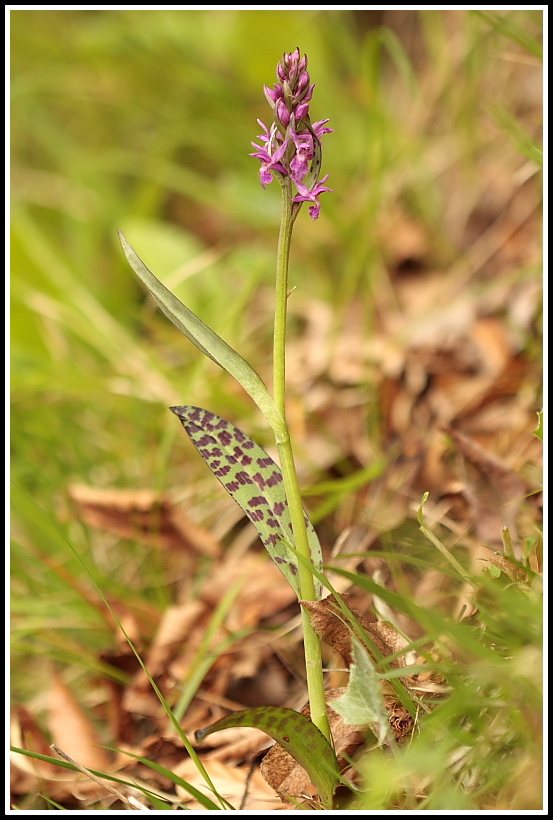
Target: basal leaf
(255, 482)
(297, 735)
(204, 338)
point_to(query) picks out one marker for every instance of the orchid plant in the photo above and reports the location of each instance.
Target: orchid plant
(290, 153)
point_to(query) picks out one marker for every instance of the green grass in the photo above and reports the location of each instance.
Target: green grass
(142, 121)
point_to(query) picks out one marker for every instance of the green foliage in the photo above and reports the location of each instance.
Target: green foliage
(480, 743)
(202, 336)
(297, 735)
(363, 702)
(255, 482)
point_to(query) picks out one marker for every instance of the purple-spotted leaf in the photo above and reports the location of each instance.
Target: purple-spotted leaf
(255, 482)
(297, 735)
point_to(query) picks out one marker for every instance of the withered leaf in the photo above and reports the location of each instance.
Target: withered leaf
(509, 567)
(72, 728)
(231, 782)
(493, 489)
(173, 631)
(330, 624)
(144, 515)
(25, 733)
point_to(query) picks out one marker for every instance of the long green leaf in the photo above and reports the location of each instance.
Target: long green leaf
(255, 482)
(297, 735)
(206, 339)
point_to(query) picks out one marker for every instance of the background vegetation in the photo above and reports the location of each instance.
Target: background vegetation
(416, 310)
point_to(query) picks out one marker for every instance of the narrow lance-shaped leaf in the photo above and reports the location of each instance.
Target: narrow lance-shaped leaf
(297, 735)
(255, 482)
(206, 339)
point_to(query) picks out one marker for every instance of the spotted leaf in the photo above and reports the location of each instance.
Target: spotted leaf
(255, 482)
(297, 735)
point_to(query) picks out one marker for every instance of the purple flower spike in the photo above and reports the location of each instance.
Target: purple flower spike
(292, 145)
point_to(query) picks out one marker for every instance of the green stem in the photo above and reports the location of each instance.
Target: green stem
(281, 300)
(312, 645)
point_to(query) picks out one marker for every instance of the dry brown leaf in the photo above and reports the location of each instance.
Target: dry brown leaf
(144, 515)
(179, 630)
(173, 631)
(401, 721)
(231, 782)
(26, 772)
(494, 491)
(263, 593)
(120, 721)
(512, 570)
(330, 624)
(72, 730)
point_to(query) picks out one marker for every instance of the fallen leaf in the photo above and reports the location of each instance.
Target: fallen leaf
(27, 772)
(172, 633)
(264, 591)
(71, 728)
(494, 491)
(331, 625)
(144, 515)
(232, 782)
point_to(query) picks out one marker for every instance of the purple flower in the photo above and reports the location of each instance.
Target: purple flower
(269, 155)
(270, 162)
(292, 145)
(299, 165)
(273, 96)
(307, 195)
(319, 130)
